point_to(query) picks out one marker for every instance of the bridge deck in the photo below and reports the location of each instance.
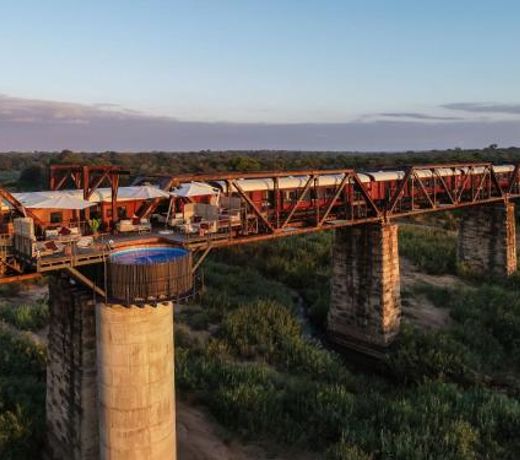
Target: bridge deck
(352, 201)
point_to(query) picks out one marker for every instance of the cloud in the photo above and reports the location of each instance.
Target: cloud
(20, 110)
(418, 116)
(484, 107)
(27, 125)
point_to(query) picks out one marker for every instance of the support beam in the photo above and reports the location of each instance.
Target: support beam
(253, 206)
(18, 278)
(71, 405)
(201, 259)
(20, 208)
(365, 305)
(75, 273)
(298, 201)
(487, 240)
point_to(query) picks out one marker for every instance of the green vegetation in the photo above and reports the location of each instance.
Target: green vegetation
(22, 397)
(26, 317)
(302, 263)
(487, 323)
(243, 352)
(432, 250)
(31, 168)
(443, 394)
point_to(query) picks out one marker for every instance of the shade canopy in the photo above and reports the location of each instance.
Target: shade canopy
(189, 189)
(141, 192)
(51, 200)
(73, 199)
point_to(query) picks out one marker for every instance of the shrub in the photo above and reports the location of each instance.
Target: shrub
(430, 355)
(26, 317)
(22, 397)
(432, 250)
(261, 329)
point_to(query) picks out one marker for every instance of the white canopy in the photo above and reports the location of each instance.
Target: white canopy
(51, 200)
(194, 189)
(73, 199)
(141, 192)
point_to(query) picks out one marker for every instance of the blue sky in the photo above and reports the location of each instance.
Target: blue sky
(280, 63)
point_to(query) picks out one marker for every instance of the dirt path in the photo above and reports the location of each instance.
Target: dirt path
(200, 437)
(29, 294)
(417, 308)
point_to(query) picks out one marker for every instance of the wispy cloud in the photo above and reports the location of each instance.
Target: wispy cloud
(483, 107)
(27, 124)
(418, 116)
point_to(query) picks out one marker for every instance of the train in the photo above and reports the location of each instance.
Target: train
(380, 186)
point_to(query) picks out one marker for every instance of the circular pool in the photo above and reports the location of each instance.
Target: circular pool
(147, 255)
(148, 274)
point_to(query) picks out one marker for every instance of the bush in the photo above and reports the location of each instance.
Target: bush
(26, 317)
(301, 262)
(432, 250)
(430, 355)
(261, 329)
(487, 322)
(229, 286)
(22, 397)
(345, 451)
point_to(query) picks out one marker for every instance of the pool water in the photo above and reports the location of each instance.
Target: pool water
(147, 256)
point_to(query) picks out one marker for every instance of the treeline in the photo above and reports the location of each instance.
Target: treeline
(30, 169)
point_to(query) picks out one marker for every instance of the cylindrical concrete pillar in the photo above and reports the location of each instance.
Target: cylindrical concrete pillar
(135, 362)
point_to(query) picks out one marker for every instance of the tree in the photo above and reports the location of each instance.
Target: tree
(32, 177)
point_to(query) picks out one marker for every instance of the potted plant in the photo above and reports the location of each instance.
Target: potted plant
(94, 225)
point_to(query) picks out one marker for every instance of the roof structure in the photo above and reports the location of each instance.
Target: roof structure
(190, 189)
(52, 200)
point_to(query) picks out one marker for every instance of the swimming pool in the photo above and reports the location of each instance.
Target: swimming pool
(147, 255)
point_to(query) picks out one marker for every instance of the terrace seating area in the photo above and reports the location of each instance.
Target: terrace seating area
(61, 224)
(128, 226)
(202, 219)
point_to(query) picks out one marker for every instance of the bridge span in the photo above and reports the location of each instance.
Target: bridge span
(119, 257)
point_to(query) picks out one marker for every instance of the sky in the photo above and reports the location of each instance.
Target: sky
(288, 74)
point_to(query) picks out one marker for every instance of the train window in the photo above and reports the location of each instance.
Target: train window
(56, 217)
(121, 212)
(329, 192)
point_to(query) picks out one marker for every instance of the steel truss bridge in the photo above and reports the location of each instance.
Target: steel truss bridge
(418, 189)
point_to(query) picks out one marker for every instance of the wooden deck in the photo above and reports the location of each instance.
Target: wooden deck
(106, 243)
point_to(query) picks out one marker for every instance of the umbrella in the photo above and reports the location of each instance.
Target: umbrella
(194, 189)
(141, 192)
(51, 200)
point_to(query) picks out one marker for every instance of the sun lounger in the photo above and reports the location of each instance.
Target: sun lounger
(85, 242)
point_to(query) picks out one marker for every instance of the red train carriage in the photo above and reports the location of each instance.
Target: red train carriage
(380, 186)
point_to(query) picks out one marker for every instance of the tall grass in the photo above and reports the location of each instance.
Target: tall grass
(487, 322)
(22, 397)
(261, 377)
(430, 249)
(29, 317)
(302, 263)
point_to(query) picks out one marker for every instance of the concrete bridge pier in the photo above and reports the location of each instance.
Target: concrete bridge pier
(136, 391)
(110, 377)
(487, 240)
(71, 403)
(365, 307)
